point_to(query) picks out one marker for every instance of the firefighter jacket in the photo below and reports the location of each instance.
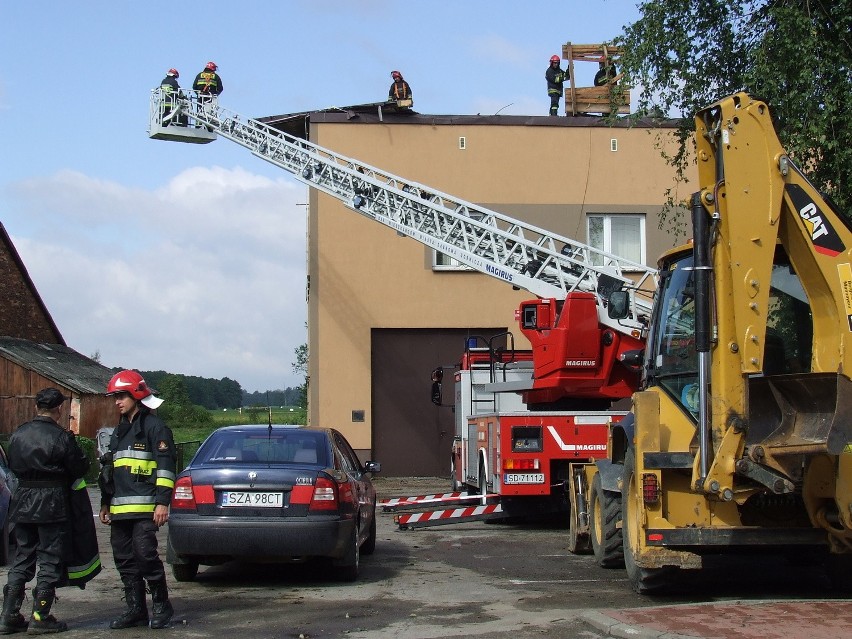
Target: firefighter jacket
(138, 473)
(208, 82)
(82, 559)
(45, 459)
(399, 90)
(170, 87)
(555, 78)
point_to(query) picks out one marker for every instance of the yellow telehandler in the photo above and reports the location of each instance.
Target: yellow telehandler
(739, 437)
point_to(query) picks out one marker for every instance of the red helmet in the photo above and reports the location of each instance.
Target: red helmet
(396, 75)
(211, 66)
(133, 383)
(173, 72)
(554, 58)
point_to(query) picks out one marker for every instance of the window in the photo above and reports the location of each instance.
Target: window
(443, 262)
(623, 235)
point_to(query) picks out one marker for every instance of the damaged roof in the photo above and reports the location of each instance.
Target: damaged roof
(59, 363)
(298, 124)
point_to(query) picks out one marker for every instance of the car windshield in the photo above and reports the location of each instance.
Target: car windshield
(240, 447)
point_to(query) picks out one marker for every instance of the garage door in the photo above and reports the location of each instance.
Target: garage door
(411, 436)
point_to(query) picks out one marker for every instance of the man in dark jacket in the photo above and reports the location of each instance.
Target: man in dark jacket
(555, 77)
(400, 91)
(137, 481)
(170, 90)
(46, 459)
(208, 85)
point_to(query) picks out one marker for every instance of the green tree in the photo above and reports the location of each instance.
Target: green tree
(794, 54)
(177, 409)
(301, 366)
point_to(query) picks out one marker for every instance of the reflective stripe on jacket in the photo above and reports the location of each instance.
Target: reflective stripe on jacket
(143, 467)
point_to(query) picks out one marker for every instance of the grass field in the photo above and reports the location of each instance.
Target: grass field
(280, 415)
(188, 439)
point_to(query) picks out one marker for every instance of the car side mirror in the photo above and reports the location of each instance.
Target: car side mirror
(618, 305)
(372, 467)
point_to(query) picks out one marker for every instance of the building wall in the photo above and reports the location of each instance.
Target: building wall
(86, 413)
(363, 276)
(21, 313)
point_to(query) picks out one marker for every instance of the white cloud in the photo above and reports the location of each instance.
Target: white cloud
(204, 276)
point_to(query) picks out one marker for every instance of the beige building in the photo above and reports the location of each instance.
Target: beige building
(384, 310)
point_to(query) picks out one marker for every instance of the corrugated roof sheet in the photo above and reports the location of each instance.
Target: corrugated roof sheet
(59, 363)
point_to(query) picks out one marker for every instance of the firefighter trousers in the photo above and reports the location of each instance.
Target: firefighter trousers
(134, 549)
(44, 543)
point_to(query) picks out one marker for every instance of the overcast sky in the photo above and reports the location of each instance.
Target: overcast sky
(191, 258)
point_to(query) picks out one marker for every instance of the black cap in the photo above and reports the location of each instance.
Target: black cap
(49, 398)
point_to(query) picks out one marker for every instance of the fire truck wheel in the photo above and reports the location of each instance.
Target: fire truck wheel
(605, 533)
(643, 580)
(457, 485)
(483, 483)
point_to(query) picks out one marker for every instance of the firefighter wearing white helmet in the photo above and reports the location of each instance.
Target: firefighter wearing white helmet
(137, 480)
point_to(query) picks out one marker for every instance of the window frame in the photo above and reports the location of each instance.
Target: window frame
(607, 233)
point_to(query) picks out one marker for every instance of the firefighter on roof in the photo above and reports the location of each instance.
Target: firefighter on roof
(399, 90)
(555, 77)
(137, 480)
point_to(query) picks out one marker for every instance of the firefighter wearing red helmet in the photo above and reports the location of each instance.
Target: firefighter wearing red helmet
(555, 77)
(170, 90)
(207, 82)
(399, 90)
(137, 480)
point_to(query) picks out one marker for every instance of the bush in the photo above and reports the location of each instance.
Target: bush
(90, 447)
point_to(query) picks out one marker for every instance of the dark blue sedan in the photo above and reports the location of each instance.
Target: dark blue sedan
(272, 493)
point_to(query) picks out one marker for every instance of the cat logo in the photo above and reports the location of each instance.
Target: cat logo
(823, 236)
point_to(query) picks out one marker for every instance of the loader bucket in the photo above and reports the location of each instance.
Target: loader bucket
(800, 414)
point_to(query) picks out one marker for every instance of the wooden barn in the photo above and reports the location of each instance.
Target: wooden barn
(34, 355)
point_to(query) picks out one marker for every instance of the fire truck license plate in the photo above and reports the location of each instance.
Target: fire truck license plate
(262, 500)
(523, 478)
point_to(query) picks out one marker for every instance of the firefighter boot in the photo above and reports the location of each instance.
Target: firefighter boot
(43, 622)
(137, 608)
(12, 620)
(162, 610)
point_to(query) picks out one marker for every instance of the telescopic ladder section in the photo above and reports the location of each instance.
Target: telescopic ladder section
(528, 257)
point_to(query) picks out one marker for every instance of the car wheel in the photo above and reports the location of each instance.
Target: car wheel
(185, 572)
(348, 568)
(369, 545)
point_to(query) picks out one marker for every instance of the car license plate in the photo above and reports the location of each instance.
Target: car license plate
(523, 478)
(253, 500)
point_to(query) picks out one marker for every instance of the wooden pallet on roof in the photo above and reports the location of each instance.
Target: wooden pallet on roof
(598, 99)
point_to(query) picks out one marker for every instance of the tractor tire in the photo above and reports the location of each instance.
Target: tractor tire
(644, 581)
(604, 531)
(839, 571)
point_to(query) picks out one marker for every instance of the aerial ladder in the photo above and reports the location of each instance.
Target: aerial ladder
(559, 271)
(597, 357)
